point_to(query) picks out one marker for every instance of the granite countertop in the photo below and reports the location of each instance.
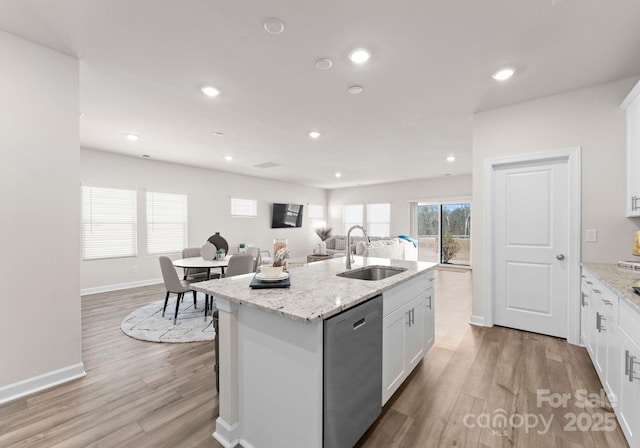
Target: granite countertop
(618, 279)
(316, 293)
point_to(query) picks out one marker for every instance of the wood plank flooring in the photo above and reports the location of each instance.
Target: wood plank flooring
(143, 394)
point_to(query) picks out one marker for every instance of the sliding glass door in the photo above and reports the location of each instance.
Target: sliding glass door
(444, 232)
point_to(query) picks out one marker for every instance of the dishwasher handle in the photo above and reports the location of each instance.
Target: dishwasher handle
(359, 323)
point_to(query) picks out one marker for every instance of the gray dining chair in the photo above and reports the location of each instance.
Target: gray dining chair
(255, 253)
(193, 273)
(240, 264)
(174, 285)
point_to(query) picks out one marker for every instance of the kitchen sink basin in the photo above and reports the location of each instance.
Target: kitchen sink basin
(372, 272)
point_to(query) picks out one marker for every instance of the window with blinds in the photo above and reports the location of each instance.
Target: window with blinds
(244, 207)
(379, 219)
(166, 222)
(109, 225)
(351, 216)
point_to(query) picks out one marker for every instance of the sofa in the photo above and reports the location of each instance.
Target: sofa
(380, 247)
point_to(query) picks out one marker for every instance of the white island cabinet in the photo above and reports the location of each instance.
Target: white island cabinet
(271, 345)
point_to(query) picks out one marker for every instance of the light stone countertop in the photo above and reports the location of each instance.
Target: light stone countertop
(316, 293)
(619, 280)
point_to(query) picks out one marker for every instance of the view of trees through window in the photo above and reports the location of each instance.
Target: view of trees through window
(443, 233)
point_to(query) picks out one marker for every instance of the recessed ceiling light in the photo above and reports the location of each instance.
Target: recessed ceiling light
(210, 91)
(354, 90)
(324, 63)
(132, 137)
(359, 55)
(503, 74)
(146, 156)
(451, 159)
(228, 158)
(218, 133)
(314, 134)
(338, 174)
(448, 174)
(273, 26)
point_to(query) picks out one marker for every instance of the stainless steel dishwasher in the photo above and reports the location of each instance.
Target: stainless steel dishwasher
(352, 373)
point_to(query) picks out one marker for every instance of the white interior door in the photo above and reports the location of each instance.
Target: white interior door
(531, 242)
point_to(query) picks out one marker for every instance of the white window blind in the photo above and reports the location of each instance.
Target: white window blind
(316, 211)
(166, 222)
(109, 225)
(351, 216)
(244, 207)
(379, 219)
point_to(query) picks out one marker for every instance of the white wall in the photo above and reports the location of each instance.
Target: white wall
(398, 194)
(590, 118)
(40, 172)
(208, 212)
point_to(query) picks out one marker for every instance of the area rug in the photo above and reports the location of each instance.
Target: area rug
(147, 323)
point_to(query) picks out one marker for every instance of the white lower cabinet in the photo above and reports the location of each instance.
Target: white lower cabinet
(611, 332)
(407, 331)
(628, 408)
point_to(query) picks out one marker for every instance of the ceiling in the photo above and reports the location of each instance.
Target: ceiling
(143, 62)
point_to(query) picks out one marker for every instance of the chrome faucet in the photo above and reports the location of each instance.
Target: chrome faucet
(348, 248)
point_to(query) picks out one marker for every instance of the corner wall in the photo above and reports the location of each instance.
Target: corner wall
(208, 208)
(40, 340)
(590, 118)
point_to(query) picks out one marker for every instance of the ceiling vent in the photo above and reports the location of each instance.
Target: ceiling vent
(267, 165)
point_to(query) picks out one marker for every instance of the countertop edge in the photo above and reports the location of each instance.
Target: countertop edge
(592, 267)
(322, 316)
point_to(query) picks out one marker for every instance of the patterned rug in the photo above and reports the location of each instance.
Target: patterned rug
(147, 323)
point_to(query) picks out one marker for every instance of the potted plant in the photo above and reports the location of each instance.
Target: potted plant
(323, 233)
(241, 248)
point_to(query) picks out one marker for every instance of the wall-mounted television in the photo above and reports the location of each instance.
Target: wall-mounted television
(286, 215)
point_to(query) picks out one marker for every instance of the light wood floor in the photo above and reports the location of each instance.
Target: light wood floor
(143, 394)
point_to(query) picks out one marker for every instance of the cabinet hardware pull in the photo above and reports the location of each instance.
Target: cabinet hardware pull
(633, 203)
(413, 315)
(607, 302)
(408, 313)
(632, 361)
(597, 291)
(599, 319)
(584, 303)
(429, 297)
(588, 282)
(626, 362)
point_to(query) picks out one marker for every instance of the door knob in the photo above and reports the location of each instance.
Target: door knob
(560, 257)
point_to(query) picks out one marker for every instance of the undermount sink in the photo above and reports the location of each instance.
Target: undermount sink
(372, 272)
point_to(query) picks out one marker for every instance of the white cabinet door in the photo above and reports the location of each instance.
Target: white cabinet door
(614, 353)
(600, 344)
(585, 316)
(633, 153)
(429, 321)
(393, 352)
(415, 342)
(629, 396)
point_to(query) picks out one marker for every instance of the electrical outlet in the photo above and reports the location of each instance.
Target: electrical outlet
(591, 236)
(134, 269)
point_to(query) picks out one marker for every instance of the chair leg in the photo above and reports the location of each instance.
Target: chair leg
(206, 306)
(166, 300)
(194, 298)
(175, 317)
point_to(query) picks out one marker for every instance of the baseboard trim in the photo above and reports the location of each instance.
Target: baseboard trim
(119, 286)
(477, 321)
(226, 434)
(41, 382)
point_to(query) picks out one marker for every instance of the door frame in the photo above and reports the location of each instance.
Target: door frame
(573, 158)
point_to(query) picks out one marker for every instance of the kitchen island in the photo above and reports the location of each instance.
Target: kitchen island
(271, 345)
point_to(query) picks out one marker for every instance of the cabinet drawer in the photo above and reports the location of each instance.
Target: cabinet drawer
(403, 293)
(630, 321)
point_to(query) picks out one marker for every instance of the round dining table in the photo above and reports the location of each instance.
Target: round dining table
(201, 263)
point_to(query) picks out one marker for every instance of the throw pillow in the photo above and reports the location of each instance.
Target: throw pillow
(331, 243)
(360, 248)
(340, 244)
